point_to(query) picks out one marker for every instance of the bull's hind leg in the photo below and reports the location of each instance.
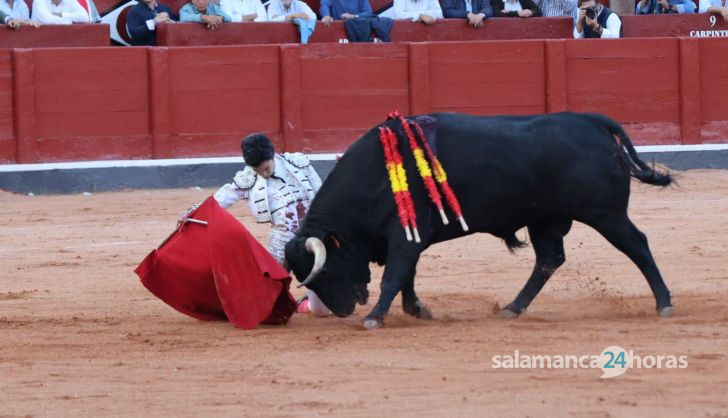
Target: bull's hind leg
(622, 233)
(548, 243)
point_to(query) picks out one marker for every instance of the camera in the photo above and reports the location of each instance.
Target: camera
(591, 12)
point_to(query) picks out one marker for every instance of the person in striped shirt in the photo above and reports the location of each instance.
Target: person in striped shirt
(551, 8)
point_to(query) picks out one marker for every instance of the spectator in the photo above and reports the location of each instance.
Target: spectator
(426, 11)
(296, 12)
(244, 10)
(516, 8)
(713, 6)
(359, 21)
(59, 12)
(15, 13)
(596, 21)
(142, 21)
(645, 7)
(205, 12)
(9, 21)
(551, 8)
(476, 11)
(331, 10)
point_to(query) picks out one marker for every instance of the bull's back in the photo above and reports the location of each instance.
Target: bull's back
(509, 171)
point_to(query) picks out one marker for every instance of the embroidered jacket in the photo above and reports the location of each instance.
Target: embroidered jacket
(276, 199)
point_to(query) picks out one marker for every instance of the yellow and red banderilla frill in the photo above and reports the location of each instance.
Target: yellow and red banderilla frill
(398, 181)
(422, 165)
(441, 178)
(398, 176)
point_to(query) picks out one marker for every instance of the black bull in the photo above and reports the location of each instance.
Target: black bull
(509, 172)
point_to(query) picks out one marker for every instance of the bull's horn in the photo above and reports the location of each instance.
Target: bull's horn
(315, 246)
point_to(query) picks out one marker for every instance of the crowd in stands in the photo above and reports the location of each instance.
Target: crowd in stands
(15, 13)
(591, 19)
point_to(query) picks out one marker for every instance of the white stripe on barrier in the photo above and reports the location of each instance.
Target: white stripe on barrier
(223, 160)
(139, 163)
(681, 148)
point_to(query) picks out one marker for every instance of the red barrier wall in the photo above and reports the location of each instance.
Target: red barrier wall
(219, 91)
(50, 36)
(641, 79)
(102, 103)
(669, 25)
(344, 90)
(712, 103)
(7, 134)
(504, 78)
(80, 104)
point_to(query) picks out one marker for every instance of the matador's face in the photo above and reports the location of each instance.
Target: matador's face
(266, 168)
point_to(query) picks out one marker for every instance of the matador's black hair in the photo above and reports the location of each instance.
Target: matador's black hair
(257, 148)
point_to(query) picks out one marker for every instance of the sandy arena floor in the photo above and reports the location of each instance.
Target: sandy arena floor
(80, 336)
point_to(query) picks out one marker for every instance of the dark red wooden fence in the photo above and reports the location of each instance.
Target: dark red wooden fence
(69, 104)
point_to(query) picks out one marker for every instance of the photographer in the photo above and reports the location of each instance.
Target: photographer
(596, 21)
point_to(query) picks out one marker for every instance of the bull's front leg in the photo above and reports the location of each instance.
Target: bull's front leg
(411, 304)
(398, 272)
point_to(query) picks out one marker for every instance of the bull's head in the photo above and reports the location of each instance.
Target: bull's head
(329, 271)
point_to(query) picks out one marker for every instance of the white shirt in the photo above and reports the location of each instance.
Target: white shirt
(236, 9)
(278, 13)
(283, 196)
(70, 10)
(704, 4)
(512, 6)
(412, 9)
(613, 23)
(19, 10)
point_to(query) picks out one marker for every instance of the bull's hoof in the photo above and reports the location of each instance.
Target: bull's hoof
(371, 323)
(424, 312)
(508, 314)
(418, 310)
(665, 312)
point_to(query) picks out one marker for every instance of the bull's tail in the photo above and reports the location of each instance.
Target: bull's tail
(637, 168)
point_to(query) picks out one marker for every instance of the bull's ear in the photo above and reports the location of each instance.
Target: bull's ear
(332, 240)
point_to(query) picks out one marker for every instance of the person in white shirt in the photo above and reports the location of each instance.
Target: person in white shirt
(59, 12)
(714, 6)
(287, 10)
(296, 12)
(426, 11)
(244, 10)
(15, 13)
